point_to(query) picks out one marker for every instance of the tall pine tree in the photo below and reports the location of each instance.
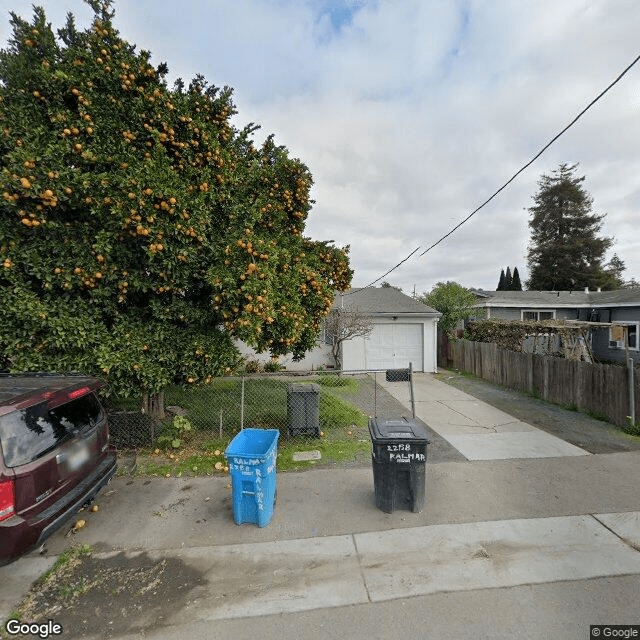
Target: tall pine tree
(565, 251)
(501, 281)
(516, 285)
(508, 280)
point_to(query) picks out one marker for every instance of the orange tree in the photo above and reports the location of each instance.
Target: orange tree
(141, 231)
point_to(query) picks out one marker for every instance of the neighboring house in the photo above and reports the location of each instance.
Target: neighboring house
(612, 308)
(404, 331)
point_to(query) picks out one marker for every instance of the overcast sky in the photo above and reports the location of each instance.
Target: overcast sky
(411, 113)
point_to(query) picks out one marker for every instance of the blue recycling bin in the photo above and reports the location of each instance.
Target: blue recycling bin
(252, 464)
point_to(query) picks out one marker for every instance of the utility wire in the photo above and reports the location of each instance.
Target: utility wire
(384, 274)
(526, 166)
(513, 177)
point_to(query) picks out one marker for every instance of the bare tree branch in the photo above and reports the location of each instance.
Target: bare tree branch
(345, 324)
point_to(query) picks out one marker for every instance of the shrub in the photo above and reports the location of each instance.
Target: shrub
(175, 433)
(251, 366)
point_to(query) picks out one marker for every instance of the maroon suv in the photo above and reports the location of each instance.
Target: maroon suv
(54, 455)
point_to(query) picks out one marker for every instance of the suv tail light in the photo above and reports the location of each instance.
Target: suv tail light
(78, 392)
(7, 499)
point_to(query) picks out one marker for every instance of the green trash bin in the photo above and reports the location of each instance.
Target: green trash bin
(303, 409)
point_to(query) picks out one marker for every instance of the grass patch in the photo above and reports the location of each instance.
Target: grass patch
(346, 384)
(352, 450)
(219, 402)
(596, 415)
(65, 558)
(343, 427)
(335, 413)
(338, 448)
(217, 407)
(198, 456)
(631, 429)
(265, 403)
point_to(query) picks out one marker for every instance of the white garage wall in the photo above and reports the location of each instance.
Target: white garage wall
(353, 351)
(320, 357)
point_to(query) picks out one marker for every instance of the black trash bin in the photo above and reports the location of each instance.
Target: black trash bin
(303, 412)
(399, 456)
(398, 375)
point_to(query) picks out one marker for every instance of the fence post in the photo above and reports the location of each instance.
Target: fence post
(375, 394)
(632, 399)
(413, 399)
(242, 404)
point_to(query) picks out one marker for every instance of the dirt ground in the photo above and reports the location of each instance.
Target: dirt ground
(117, 595)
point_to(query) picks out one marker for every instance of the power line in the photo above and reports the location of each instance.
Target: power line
(385, 274)
(526, 166)
(513, 177)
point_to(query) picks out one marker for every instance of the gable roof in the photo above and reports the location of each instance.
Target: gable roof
(562, 299)
(381, 301)
(620, 297)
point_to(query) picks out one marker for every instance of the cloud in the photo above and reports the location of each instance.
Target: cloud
(410, 113)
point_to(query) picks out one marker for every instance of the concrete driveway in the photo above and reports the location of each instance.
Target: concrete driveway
(476, 429)
(507, 546)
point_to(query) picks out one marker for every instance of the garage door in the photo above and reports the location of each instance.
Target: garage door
(394, 346)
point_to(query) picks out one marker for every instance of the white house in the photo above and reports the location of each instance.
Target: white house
(404, 331)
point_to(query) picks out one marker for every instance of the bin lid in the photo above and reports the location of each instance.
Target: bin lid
(396, 430)
(253, 443)
(303, 388)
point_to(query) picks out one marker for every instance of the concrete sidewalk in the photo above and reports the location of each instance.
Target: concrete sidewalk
(486, 524)
(529, 531)
(287, 576)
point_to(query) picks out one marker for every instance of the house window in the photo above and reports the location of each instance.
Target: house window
(616, 337)
(530, 314)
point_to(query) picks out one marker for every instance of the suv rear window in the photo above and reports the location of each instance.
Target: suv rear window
(28, 434)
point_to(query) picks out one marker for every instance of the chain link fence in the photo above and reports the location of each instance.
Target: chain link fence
(303, 406)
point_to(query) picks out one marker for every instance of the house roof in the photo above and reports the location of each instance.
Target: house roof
(381, 301)
(562, 299)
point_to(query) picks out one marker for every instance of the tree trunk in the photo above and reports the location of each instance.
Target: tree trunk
(153, 404)
(335, 352)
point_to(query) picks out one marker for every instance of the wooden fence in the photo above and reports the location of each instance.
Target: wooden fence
(599, 388)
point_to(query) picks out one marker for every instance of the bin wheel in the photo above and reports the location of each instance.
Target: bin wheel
(275, 497)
